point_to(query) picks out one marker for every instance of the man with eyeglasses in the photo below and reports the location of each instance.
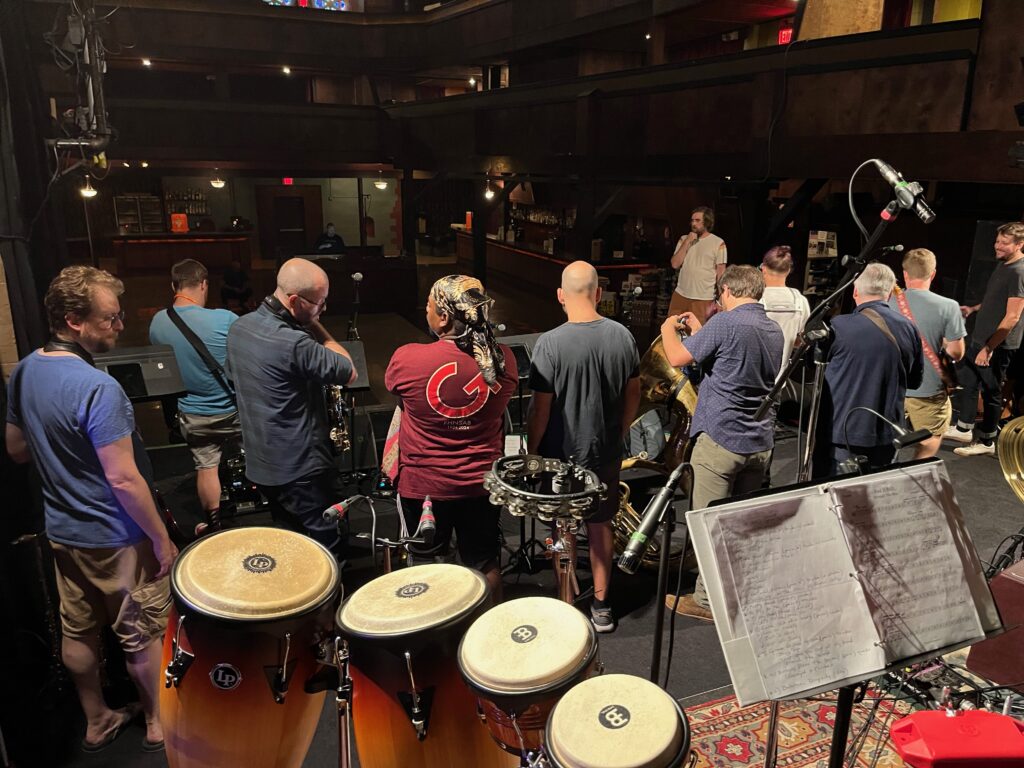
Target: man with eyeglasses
(279, 359)
(110, 546)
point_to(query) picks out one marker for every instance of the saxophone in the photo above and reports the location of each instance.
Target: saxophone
(337, 420)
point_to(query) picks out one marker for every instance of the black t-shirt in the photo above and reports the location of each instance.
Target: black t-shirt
(330, 244)
(1006, 282)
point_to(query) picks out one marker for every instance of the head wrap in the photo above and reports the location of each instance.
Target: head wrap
(463, 300)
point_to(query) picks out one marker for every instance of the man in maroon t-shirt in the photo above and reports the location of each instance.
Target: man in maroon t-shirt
(453, 395)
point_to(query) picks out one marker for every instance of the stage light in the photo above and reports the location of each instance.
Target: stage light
(472, 82)
(88, 191)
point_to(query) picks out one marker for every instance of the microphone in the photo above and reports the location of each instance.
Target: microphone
(427, 526)
(909, 195)
(891, 249)
(340, 510)
(499, 327)
(630, 559)
(904, 438)
(638, 290)
(357, 277)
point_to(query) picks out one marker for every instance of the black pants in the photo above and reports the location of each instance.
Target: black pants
(989, 379)
(300, 504)
(475, 522)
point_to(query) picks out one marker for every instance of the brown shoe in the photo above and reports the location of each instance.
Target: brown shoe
(687, 607)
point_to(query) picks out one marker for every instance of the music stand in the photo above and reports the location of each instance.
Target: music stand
(812, 547)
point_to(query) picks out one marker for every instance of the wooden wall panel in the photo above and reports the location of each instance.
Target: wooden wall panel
(507, 131)
(831, 18)
(899, 99)
(999, 74)
(709, 119)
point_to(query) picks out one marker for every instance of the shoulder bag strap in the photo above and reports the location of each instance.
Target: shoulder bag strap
(214, 367)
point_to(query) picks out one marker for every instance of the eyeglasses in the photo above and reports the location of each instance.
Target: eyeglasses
(108, 320)
(320, 306)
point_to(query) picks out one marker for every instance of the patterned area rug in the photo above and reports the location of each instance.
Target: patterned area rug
(725, 735)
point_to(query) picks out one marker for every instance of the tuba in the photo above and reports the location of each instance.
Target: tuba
(337, 420)
(1011, 455)
(661, 383)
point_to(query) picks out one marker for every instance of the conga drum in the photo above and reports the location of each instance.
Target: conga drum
(616, 721)
(519, 658)
(250, 608)
(409, 707)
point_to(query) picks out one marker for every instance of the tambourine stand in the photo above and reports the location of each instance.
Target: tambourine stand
(563, 553)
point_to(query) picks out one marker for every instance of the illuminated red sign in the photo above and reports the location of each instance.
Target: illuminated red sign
(785, 35)
(287, 181)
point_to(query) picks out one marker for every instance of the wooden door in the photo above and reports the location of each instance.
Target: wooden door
(291, 218)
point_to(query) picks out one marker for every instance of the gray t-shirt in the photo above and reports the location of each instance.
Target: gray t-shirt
(586, 367)
(937, 318)
(1007, 282)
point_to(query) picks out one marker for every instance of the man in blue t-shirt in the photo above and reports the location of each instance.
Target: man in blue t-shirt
(740, 351)
(279, 359)
(207, 414)
(110, 546)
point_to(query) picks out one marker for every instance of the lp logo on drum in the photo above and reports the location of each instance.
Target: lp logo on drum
(614, 716)
(412, 590)
(225, 676)
(524, 633)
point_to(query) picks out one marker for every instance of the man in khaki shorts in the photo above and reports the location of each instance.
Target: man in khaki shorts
(207, 414)
(110, 546)
(941, 327)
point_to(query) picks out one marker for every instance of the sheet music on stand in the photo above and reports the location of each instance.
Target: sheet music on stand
(830, 584)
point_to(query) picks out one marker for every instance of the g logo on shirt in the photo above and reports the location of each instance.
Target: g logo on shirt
(476, 388)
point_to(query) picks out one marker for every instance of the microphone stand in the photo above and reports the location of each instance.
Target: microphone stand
(816, 330)
(353, 320)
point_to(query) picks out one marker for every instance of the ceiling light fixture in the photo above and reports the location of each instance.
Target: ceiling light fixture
(647, 36)
(126, 164)
(217, 182)
(472, 82)
(489, 192)
(286, 70)
(88, 191)
(381, 183)
(144, 164)
(147, 62)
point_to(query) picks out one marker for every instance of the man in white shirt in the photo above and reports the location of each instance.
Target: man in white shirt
(786, 306)
(700, 258)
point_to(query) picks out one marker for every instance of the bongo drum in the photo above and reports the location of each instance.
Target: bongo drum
(250, 607)
(519, 658)
(616, 721)
(409, 707)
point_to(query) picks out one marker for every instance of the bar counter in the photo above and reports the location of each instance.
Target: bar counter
(157, 253)
(528, 267)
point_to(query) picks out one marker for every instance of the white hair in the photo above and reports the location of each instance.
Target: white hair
(876, 280)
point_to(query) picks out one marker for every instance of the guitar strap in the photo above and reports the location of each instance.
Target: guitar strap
(926, 347)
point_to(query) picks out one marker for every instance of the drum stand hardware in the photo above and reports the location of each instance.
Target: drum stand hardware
(180, 661)
(279, 681)
(563, 556)
(416, 702)
(343, 700)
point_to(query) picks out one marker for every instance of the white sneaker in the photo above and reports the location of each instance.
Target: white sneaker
(976, 449)
(952, 433)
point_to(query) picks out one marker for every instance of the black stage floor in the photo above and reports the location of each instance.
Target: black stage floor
(698, 671)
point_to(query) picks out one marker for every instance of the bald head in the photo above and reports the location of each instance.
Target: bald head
(579, 279)
(300, 276)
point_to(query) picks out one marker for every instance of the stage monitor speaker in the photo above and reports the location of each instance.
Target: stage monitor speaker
(145, 373)
(1001, 658)
(358, 355)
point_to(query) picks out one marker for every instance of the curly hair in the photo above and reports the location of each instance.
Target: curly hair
(72, 291)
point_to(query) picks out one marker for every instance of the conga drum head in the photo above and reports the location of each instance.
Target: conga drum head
(617, 721)
(255, 574)
(412, 600)
(526, 645)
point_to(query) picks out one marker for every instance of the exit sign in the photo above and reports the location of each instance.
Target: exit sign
(287, 181)
(785, 35)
